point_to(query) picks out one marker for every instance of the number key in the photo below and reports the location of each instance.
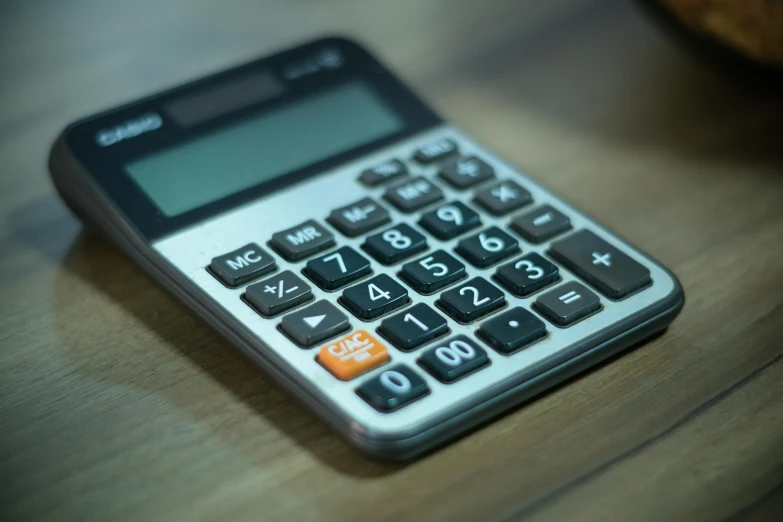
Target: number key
(488, 247)
(450, 220)
(454, 359)
(413, 327)
(472, 300)
(437, 270)
(527, 275)
(337, 268)
(395, 244)
(374, 297)
(393, 389)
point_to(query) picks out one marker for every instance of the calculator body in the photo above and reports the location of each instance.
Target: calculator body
(321, 264)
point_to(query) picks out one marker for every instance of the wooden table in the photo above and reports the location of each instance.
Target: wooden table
(116, 404)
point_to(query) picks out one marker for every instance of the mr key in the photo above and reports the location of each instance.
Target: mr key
(392, 273)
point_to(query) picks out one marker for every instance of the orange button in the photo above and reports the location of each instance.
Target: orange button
(353, 354)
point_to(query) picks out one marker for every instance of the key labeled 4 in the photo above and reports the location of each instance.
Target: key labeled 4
(353, 355)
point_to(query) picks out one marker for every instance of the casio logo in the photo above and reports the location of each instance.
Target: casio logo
(130, 129)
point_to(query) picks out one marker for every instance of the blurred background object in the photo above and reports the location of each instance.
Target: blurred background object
(750, 28)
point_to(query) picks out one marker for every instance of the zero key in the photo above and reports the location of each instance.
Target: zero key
(604, 267)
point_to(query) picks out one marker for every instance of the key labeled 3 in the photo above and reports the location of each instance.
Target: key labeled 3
(353, 355)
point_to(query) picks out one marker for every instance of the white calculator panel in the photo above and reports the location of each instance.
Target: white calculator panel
(192, 250)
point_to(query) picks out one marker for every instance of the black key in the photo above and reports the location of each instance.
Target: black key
(454, 359)
(450, 220)
(512, 330)
(279, 293)
(503, 198)
(436, 151)
(395, 244)
(302, 240)
(413, 327)
(242, 265)
(337, 268)
(472, 300)
(464, 173)
(527, 275)
(374, 297)
(359, 217)
(541, 224)
(412, 195)
(433, 272)
(568, 303)
(393, 388)
(315, 323)
(383, 172)
(609, 270)
(488, 247)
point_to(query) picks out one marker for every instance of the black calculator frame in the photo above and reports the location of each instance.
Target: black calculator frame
(106, 164)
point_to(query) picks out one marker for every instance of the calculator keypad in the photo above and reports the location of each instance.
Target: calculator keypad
(433, 272)
(472, 300)
(279, 293)
(454, 359)
(359, 217)
(413, 327)
(488, 247)
(395, 244)
(414, 194)
(302, 240)
(242, 265)
(450, 220)
(337, 269)
(374, 297)
(464, 173)
(420, 330)
(393, 388)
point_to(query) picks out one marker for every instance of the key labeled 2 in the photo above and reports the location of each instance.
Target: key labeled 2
(472, 300)
(453, 359)
(375, 297)
(488, 247)
(395, 244)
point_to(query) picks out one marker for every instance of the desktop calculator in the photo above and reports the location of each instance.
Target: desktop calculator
(402, 280)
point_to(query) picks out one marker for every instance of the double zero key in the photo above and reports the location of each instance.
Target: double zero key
(454, 359)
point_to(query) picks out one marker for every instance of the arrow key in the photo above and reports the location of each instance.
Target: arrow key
(316, 323)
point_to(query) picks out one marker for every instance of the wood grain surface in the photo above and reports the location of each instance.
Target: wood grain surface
(116, 404)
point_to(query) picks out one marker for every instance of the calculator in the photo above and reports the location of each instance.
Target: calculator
(399, 278)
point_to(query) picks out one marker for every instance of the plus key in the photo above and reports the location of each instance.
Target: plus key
(604, 267)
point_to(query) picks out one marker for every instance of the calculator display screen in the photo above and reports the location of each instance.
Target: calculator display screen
(263, 147)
